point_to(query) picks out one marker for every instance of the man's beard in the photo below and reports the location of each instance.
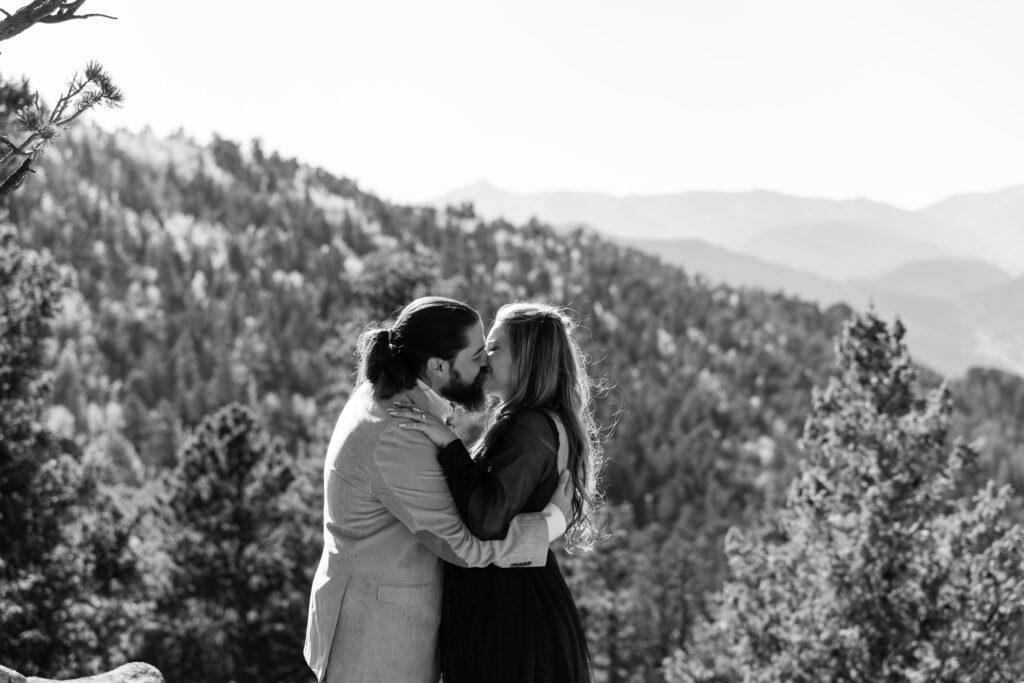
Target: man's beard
(469, 395)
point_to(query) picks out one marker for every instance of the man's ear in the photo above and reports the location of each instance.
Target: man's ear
(437, 368)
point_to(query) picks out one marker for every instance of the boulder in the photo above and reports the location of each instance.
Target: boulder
(135, 672)
(9, 676)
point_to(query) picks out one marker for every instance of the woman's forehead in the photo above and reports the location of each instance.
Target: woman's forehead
(498, 331)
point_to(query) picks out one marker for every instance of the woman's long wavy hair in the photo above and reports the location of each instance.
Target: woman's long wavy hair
(549, 372)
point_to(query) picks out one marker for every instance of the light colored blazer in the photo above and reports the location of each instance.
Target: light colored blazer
(389, 520)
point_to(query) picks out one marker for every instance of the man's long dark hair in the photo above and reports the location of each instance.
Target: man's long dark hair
(429, 327)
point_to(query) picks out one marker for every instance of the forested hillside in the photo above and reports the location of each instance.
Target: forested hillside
(206, 341)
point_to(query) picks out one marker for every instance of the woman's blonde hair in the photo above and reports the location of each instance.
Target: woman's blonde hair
(549, 372)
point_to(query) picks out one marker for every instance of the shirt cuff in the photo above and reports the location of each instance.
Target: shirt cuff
(555, 519)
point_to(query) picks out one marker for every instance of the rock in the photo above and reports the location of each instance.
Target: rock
(135, 672)
(9, 676)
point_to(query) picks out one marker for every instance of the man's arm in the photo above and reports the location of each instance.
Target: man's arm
(408, 480)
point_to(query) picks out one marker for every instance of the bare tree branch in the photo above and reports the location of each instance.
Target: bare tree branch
(14, 181)
(42, 12)
(55, 20)
(21, 150)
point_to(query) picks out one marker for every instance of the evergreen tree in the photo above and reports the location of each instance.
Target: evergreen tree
(68, 581)
(30, 290)
(878, 568)
(232, 610)
(391, 279)
(67, 383)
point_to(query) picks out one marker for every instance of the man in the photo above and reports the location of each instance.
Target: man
(389, 518)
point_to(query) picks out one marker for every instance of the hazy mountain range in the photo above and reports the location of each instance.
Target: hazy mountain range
(953, 271)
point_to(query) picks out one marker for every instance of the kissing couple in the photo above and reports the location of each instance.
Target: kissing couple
(436, 554)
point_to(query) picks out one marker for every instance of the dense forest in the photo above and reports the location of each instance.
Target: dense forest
(202, 305)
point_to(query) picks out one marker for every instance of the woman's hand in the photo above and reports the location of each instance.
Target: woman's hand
(414, 418)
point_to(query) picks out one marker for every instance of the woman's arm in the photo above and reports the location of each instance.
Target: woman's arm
(492, 490)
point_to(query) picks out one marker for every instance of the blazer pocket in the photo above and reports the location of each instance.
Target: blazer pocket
(407, 595)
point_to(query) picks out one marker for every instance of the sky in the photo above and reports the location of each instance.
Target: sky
(901, 101)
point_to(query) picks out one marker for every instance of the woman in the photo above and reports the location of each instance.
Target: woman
(519, 625)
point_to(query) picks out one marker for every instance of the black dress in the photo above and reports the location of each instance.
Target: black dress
(509, 625)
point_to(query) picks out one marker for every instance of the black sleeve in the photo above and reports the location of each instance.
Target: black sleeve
(491, 490)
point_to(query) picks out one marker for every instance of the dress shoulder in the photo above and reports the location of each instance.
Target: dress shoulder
(537, 423)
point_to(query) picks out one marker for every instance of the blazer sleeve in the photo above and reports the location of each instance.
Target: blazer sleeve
(408, 481)
(490, 491)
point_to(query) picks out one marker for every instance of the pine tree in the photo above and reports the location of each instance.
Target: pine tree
(233, 609)
(68, 580)
(30, 290)
(391, 279)
(879, 567)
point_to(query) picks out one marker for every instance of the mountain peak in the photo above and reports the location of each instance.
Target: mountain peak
(479, 185)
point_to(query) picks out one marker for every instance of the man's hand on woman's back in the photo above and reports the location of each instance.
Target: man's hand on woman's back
(561, 499)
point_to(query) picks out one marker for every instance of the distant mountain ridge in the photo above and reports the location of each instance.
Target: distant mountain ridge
(838, 249)
(960, 312)
(940, 278)
(956, 226)
(946, 270)
(742, 270)
(988, 225)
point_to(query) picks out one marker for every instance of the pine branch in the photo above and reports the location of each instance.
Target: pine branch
(42, 12)
(42, 126)
(82, 94)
